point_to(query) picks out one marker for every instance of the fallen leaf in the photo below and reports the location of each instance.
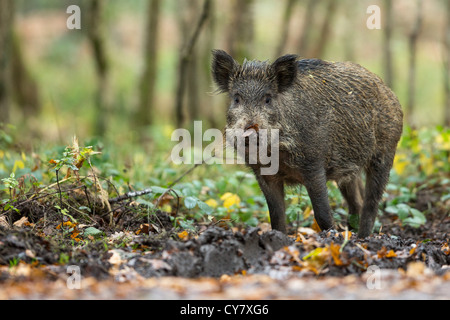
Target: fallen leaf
(335, 254)
(415, 269)
(346, 234)
(391, 254)
(183, 235)
(3, 222)
(29, 253)
(315, 226)
(144, 228)
(115, 259)
(446, 249)
(20, 223)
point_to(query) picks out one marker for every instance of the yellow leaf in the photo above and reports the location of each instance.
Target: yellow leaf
(212, 203)
(443, 141)
(168, 130)
(307, 213)
(225, 196)
(400, 163)
(335, 254)
(2, 154)
(314, 253)
(426, 164)
(230, 200)
(18, 164)
(166, 208)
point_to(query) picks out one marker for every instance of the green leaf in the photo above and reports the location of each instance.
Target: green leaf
(190, 202)
(204, 207)
(91, 231)
(392, 209)
(158, 190)
(353, 220)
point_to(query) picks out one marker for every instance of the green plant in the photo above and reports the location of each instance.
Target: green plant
(407, 215)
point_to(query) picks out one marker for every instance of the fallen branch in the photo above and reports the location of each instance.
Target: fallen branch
(130, 195)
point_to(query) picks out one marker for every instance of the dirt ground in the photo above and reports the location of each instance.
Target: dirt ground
(46, 255)
(229, 264)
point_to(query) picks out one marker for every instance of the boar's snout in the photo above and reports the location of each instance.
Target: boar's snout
(250, 129)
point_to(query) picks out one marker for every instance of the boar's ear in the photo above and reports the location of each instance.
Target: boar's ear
(223, 66)
(285, 69)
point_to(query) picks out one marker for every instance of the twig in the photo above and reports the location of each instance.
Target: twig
(346, 240)
(129, 195)
(52, 185)
(60, 194)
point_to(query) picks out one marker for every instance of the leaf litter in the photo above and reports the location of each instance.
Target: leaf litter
(125, 251)
(223, 263)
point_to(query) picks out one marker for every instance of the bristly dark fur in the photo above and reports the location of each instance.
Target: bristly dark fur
(335, 121)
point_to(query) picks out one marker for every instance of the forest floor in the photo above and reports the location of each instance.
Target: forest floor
(48, 255)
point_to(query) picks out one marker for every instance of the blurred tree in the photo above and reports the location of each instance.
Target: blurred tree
(25, 88)
(447, 66)
(96, 35)
(187, 16)
(352, 9)
(240, 31)
(6, 26)
(325, 30)
(413, 37)
(308, 27)
(388, 72)
(184, 61)
(212, 114)
(16, 83)
(148, 80)
(287, 14)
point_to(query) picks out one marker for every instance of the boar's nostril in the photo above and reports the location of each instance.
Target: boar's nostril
(253, 126)
(249, 130)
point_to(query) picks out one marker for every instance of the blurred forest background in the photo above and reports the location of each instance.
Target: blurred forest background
(136, 67)
(136, 70)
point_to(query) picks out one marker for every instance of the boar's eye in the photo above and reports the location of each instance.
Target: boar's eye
(268, 100)
(237, 99)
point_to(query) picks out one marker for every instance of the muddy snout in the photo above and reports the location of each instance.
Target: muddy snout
(250, 130)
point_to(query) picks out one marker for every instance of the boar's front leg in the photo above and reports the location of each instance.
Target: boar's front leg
(316, 184)
(273, 189)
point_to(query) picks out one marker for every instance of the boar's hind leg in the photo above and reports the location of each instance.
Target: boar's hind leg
(273, 190)
(353, 192)
(377, 176)
(316, 185)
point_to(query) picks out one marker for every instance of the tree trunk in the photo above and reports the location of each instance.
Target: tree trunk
(388, 72)
(412, 65)
(325, 31)
(148, 80)
(24, 87)
(183, 62)
(285, 27)
(6, 25)
(447, 68)
(212, 113)
(241, 29)
(349, 38)
(97, 40)
(308, 27)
